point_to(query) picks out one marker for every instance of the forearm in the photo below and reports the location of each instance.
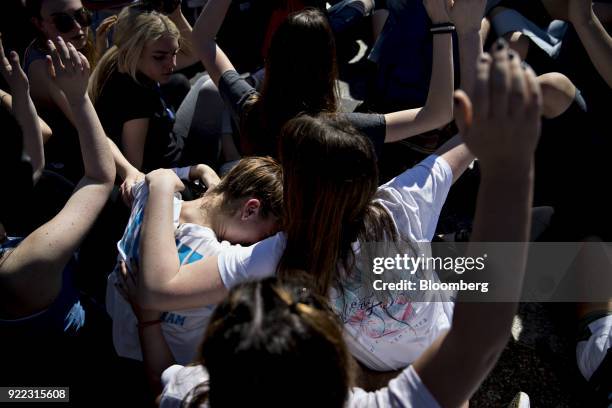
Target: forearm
(124, 167)
(186, 50)
(203, 172)
(156, 355)
(97, 155)
(454, 366)
(210, 20)
(470, 48)
(598, 44)
(159, 261)
(439, 101)
(438, 109)
(25, 113)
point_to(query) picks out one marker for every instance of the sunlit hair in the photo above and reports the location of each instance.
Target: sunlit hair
(300, 77)
(134, 30)
(258, 177)
(330, 181)
(279, 345)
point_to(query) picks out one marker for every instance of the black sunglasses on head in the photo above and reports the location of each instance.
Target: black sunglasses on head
(65, 22)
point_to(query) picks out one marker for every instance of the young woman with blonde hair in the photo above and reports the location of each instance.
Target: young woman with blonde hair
(125, 87)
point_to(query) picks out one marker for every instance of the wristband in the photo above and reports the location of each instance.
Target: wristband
(442, 28)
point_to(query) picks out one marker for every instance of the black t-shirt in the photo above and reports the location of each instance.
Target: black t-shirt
(122, 99)
(236, 91)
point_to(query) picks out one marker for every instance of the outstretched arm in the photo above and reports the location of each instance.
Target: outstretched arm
(503, 134)
(438, 109)
(33, 272)
(204, 32)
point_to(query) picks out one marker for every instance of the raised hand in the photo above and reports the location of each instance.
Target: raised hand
(101, 34)
(437, 10)
(69, 69)
(467, 15)
(501, 125)
(12, 73)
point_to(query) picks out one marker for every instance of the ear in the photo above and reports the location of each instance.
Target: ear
(250, 209)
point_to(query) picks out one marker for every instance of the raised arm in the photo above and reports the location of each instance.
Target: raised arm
(438, 109)
(34, 270)
(204, 32)
(23, 109)
(186, 55)
(593, 35)
(467, 16)
(164, 284)
(504, 134)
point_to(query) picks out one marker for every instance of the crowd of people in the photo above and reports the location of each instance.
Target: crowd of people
(191, 191)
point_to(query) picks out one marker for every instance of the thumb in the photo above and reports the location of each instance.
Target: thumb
(462, 111)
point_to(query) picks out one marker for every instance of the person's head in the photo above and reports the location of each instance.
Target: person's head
(330, 178)
(251, 200)
(300, 75)
(65, 18)
(145, 42)
(275, 345)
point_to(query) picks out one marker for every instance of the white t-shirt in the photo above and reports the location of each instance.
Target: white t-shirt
(183, 330)
(387, 335)
(404, 391)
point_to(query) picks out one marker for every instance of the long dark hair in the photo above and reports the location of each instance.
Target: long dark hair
(274, 344)
(300, 77)
(330, 180)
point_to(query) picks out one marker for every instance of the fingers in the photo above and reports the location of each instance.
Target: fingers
(518, 95)
(55, 56)
(500, 79)
(50, 66)
(463, 112)
(75, 59)
(533, 94)
(481, 88)
(106, 24)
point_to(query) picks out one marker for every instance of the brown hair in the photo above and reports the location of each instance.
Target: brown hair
(300, 77)
(274, 344)
(330, 180)
(259, 177)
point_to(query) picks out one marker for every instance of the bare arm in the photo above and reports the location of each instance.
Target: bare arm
(133, 138)
(438, 109)
(204, 32)
(186, 56)
(593, 35)
(34, 269)
(503, 134)
(164, 284)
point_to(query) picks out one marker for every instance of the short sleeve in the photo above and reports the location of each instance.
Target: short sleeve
(371, 125)
(235, 92)
(415, 198)
(406, 390)
(242, 264)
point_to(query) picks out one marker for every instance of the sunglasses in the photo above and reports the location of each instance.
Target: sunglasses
(65, 22)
